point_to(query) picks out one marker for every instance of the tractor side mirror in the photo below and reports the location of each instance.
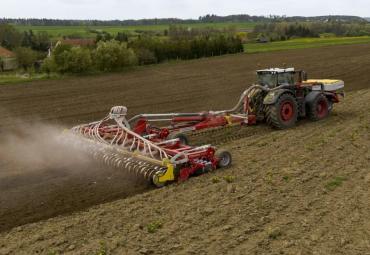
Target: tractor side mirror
(304, 76)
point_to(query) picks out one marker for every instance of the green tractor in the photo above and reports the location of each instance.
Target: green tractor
(285, 94)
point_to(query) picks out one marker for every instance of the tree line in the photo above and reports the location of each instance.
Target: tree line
(153, 50)
(114, 55)
(277, 31)
(275, 18)
(209, 18)
(11, 38)
(114, 52)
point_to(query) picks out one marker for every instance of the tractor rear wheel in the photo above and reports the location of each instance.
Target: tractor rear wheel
(319, 108)
(284, 113)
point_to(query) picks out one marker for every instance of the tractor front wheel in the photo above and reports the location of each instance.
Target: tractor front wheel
(284, 113)
(319, 108)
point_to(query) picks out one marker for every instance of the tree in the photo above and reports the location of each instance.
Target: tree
(113, 55)
(121, 37)
(60, 57)
(26, 57)
(39, 41)
(103, 36)
(67, 59)
(78, 60)
(9, 37)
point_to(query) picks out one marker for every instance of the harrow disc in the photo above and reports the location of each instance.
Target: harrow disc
(122, 160)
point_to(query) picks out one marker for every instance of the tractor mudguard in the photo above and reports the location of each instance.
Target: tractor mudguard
(273, 96)
(311, 96)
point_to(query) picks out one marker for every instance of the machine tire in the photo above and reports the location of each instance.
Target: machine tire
(225, 158)
(181, 136)
(318, 108)
(284, 113)
(157, 183)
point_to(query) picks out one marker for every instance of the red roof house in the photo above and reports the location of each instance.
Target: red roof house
(4, 53)
(79, 42)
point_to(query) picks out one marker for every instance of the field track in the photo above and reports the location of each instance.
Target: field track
(295, 191)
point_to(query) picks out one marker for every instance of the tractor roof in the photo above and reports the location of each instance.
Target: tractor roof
(276, 70)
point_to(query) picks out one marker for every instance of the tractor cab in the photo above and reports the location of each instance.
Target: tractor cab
(275, 77)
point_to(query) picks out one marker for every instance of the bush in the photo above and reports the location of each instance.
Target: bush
(48, 65)
(113, 55)
(79, 60)
(60, 57)
(26, 57)
(66, 59)
(145, 57)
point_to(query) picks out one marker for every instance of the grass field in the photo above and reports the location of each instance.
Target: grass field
(302, 43)
(14, 77)
(84, 31)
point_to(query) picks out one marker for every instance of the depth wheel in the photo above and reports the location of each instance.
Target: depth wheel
(319, 108)
(224, 158)
(284, 113)
(156, 181)
(181, 136)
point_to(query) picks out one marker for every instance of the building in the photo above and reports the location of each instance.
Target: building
(83, 42)
(79, 42)
(8, 60)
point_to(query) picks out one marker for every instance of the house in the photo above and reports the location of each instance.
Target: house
(8, 60)
(79, 42)
(83, 42)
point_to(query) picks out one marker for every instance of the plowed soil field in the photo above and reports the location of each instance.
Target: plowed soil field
(299, 191)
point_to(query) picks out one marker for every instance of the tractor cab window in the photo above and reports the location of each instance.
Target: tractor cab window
(286, 79)
(267, 79)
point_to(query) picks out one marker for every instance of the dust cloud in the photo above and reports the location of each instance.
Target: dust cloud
(46, 172)
(40, 146)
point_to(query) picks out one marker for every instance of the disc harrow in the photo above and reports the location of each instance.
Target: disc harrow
(112, 142)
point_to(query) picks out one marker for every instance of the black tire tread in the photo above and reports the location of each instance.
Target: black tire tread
(272, 112)
(311, 109)
(219, 153)
(183, 137)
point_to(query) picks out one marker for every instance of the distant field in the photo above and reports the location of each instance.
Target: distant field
(85, 31)
(304, 43)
